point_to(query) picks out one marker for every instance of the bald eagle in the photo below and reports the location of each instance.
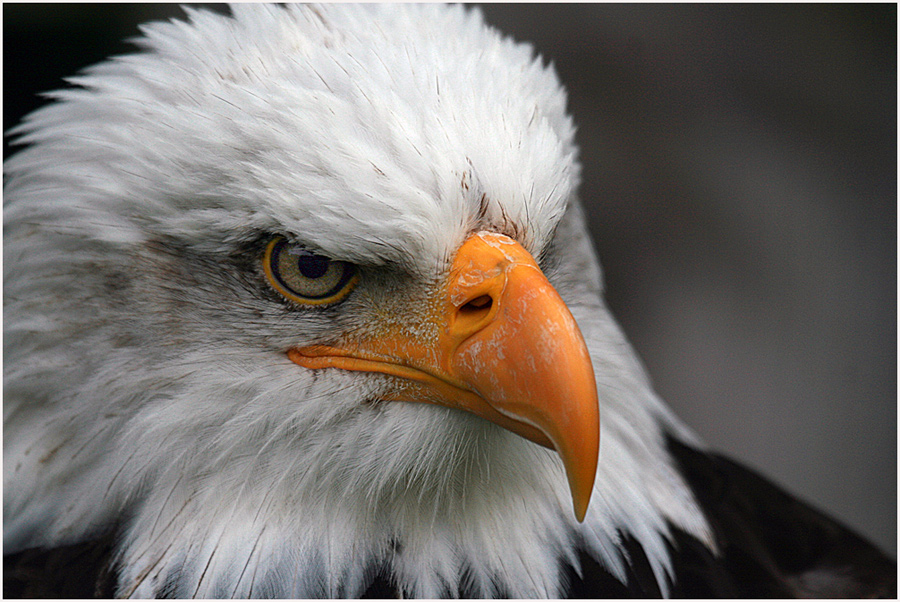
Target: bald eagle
(300, 302)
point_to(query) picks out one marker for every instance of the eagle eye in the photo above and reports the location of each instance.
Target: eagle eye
(305, 277)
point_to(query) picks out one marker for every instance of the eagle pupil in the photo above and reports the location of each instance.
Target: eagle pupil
(312, 266)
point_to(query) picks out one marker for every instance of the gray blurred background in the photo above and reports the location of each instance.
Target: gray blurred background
(740, 175)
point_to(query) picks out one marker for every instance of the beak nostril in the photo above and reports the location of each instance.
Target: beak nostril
(481, 303)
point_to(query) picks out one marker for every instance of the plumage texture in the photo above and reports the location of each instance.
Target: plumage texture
(148, 394)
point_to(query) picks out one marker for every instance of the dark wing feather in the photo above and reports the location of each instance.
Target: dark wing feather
(771, 543)
(76, 571)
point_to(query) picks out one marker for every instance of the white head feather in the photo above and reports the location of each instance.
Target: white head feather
(146, 385)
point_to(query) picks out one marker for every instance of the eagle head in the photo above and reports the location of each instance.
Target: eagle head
(302, 292)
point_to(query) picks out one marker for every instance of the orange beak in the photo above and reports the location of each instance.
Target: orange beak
(500, 343)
